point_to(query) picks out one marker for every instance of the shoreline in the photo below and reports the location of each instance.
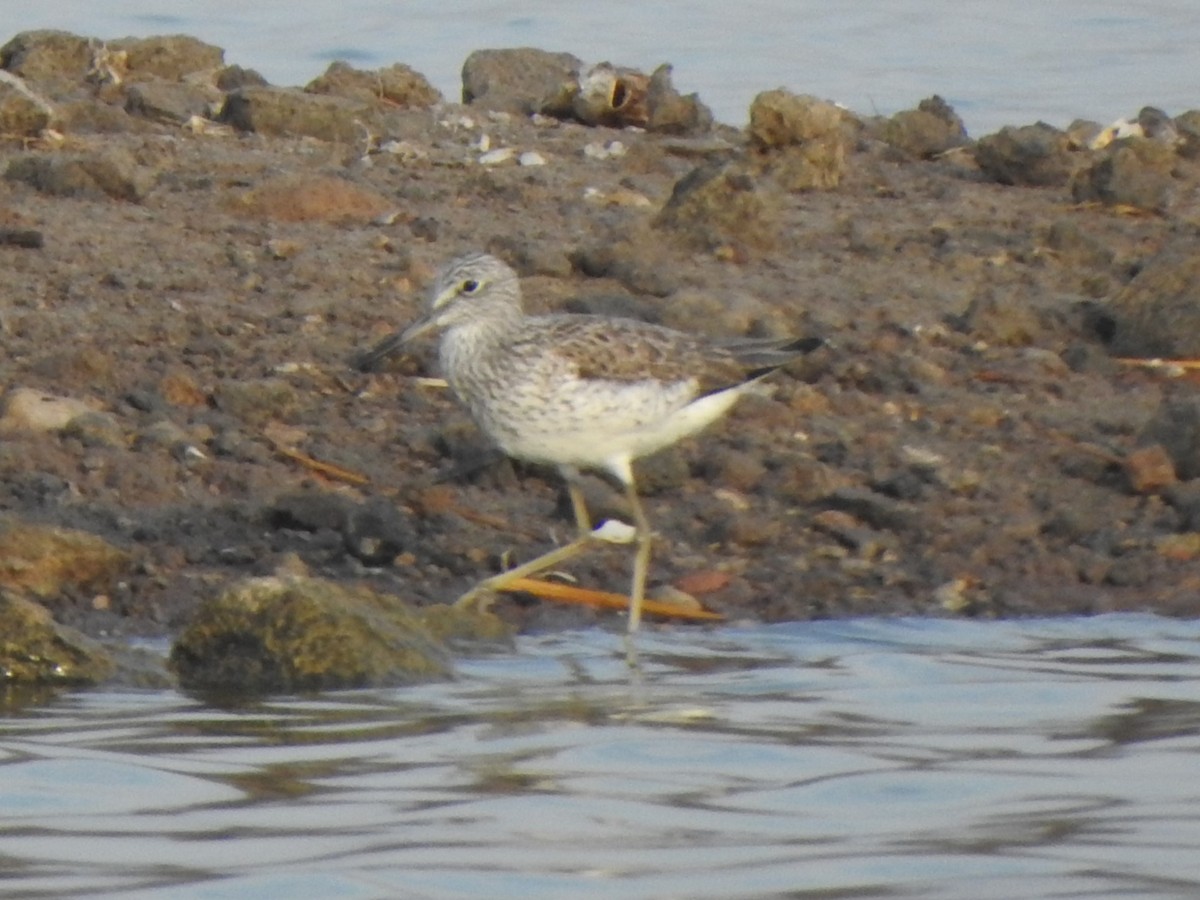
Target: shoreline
(194, 257)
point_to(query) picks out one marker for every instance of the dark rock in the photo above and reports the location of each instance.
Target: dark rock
(22, 237)
(1187, 126)
(1176, 426)
(1133, 172)
(519, 80)
(634, 265)
(875, 509)
(111, 173)
(303, 634)
(34, 649)
(397, 84)
(165, 101)
(720, 204)
(230, 78)
(927, 131)
(283, 111)
(376, 532)
(1184, 496)
(1158, 313)
(1035, 155)
(309, 511)
(1000, 323)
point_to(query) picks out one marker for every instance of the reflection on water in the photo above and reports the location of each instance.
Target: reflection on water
(906, 758)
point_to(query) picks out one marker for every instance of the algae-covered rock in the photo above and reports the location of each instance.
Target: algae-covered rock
(301, 634)
(46, 561)
(396, 84)
(721, 204)
(1035, 155)
(34, 649)
(800, 140)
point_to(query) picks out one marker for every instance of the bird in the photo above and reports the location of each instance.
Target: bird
(577, 391)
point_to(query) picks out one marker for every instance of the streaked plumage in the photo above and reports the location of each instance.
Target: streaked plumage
(578, 391)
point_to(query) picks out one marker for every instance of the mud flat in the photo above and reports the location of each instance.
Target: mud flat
(192, 257)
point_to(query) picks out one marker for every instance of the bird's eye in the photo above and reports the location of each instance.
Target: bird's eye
(470, 286)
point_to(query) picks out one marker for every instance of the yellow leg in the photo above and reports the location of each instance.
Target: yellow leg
(481, 595)
(641, 562)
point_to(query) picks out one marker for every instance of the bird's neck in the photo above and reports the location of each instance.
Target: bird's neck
(470, 345)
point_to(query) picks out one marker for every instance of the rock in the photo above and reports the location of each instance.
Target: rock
(1034, 155)
(1158, 313)
(310, 198)
(23, 112)
(47, 561)
(1184, 496)
(111, 173)
(801, 140)
(999, 323)
(1075, 246)
(1149, 469)
(96, 429)
(230, 78)
(633, 264)
(169, 57)
(164, 101)
(55, 58)
(304, 634)
(1134, 172)
(873, 508)
(309, 510)
(284, 111)
(397, 84)
(1175, 427)
(718, 205)
(28, 409)
(520, 80)
(34, 649)
(1187, 125)
(376, 532)
(256, 401)
(165, 434)
(672, 112)
(927, 131)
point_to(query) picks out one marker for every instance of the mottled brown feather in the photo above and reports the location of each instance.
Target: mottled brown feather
(626, 350)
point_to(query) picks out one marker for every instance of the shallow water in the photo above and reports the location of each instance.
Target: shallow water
(902, 758)
(997, 63)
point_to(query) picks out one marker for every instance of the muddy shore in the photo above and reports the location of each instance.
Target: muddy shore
(195, 258)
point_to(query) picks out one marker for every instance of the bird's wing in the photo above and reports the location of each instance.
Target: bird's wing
(626, 350)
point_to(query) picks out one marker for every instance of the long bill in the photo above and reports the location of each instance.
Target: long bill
(392, 344)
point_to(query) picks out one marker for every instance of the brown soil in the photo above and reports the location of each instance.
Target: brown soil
(962, 444)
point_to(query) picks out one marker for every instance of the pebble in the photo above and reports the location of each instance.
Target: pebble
(28, 409)
(498, 156)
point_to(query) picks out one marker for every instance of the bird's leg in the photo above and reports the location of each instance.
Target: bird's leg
(582, 520)
(641, 562)
(483, 593)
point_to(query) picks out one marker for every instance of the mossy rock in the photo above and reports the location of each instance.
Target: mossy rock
(36, 650)
(269, 635)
